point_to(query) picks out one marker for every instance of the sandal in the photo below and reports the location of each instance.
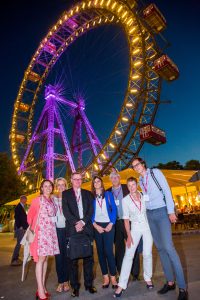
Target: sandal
(66, 287)
(149, 285)
(60, 288)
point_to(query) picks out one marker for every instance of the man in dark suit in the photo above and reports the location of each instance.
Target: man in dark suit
(78, 209)
(119, 192)
(20, 227)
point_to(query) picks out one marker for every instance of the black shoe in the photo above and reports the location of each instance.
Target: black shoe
(114, 286)
(91, 289)
(166, 288)
(75, 293)
(183, 295)
(105, 286)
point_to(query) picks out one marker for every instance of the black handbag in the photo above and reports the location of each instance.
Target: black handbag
(79, 246)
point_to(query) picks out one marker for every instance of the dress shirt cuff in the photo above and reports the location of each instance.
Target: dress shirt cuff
(83, 222)
(171, 212)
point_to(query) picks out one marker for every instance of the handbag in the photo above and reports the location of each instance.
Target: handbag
(30, 235)
(79, 246)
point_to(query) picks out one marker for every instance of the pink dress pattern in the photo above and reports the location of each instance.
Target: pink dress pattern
(46, 241)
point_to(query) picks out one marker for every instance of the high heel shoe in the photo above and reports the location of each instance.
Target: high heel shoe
(60, 288)
(106, 279)
(38, 298)
(105, 286)
(118, 295)
(150, 286)
(66, 287)
(114, 286)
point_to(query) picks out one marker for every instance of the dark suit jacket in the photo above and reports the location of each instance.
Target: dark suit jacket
(71, 213)
(20, 217)
(125, 190)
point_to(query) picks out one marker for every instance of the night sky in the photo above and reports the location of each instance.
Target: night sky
(96, 65)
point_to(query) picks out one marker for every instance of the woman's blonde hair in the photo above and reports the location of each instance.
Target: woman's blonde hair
(61, 178)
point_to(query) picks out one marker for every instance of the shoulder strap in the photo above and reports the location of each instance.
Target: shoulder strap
(157, 183)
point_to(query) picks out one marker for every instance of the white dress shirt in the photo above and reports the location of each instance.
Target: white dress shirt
(79, 202)
(101, 213)
(60, 219)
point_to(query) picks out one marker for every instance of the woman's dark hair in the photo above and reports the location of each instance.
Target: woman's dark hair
(142, 161)
(42, 183)
(102, 186)
(130, 179)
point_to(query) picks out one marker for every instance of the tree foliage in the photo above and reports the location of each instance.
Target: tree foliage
(11, 186)
(192, 165)
(171, 165)
(175, 165)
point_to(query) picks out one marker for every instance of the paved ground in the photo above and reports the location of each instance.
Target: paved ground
(11, 288)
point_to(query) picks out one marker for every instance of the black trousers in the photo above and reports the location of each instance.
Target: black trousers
(88, 264)
(62, 261)
(120, 237)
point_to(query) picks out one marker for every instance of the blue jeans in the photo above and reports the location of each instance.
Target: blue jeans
(104, 242)
(160, 226)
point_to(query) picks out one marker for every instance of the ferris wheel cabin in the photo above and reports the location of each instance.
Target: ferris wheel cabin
(166, 68)
(154, 18)
(152, 135)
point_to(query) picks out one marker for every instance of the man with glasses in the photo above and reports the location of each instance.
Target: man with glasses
(160, 214)
(77, 207)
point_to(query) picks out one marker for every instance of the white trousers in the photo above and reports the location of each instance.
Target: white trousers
(129, 255)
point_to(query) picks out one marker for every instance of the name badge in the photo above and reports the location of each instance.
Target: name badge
(146, 198)
(117, 202)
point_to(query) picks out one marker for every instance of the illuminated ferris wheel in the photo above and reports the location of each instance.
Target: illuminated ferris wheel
(134, 124)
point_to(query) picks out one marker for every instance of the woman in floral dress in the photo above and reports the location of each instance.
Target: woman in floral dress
(41, 218)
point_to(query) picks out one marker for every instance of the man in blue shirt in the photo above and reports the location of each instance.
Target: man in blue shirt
(160, 214)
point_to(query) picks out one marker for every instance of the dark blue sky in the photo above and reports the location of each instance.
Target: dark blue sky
(25, 23)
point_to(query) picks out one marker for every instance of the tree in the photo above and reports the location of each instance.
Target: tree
(192, 165)
(11, 186)
(171, 165)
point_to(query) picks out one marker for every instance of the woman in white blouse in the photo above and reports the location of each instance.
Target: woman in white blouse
(103, 219)
(62, 262)
(134, 212)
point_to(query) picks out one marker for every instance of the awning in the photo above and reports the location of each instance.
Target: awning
(178, 181)
(29, 199)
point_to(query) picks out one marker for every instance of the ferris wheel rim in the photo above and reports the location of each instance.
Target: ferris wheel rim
(94, 5)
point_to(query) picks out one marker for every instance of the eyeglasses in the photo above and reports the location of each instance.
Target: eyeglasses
(136, 165)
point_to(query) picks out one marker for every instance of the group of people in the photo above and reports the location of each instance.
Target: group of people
(122, 217)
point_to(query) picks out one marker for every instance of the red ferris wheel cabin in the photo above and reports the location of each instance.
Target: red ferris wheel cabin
(152, 134)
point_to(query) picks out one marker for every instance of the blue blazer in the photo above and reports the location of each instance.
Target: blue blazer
(110, 205)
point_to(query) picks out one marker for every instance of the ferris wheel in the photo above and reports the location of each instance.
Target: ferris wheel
(148, 65)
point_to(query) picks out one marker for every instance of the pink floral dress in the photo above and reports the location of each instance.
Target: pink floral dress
(47, 236)
(46, 241)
